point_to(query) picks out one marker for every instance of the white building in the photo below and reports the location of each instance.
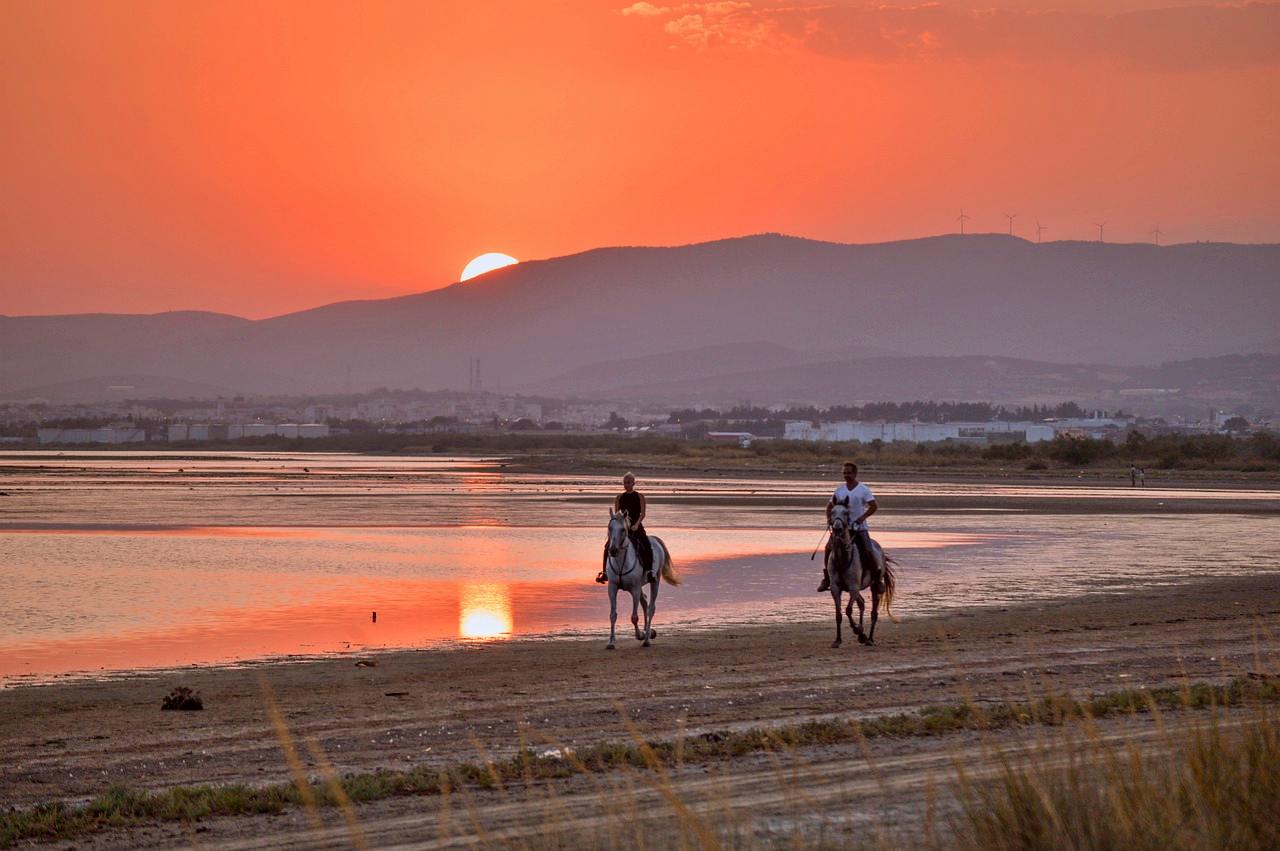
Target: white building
(985, 432)
(105, 434)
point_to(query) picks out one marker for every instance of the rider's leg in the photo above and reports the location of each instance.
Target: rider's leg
(862, 541)
(604, 565)
(826, 577)
(644, 549)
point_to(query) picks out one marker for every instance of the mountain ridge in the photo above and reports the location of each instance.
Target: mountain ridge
(1069, 302)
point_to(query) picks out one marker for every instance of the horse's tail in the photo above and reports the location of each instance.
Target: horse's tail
(889, 585)
(668, 566)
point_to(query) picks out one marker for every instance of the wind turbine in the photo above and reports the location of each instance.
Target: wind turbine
(1156, 233)
(962, 218)
(1100, 226)
(1039, 230)
(1011, 217)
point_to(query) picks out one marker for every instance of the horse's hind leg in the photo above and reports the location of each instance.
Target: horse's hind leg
(875, 614)
(649, 609)
(637, 599)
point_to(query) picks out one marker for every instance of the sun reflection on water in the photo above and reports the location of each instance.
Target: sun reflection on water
(484, 611)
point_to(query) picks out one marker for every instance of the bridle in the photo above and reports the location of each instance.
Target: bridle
(840, 530)
(619, 551)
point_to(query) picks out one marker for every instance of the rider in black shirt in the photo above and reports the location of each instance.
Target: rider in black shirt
(633, 503)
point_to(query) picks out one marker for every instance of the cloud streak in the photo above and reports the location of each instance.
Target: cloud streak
(1172, 39)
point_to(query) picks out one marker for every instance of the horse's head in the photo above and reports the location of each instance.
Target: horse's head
(618, 538)
(840, 524)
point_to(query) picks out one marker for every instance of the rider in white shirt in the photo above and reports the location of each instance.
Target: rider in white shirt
(862, 504)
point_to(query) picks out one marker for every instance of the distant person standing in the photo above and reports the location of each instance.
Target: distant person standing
(1133, 475)
(1142, 477)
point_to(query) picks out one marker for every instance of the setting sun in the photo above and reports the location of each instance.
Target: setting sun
(487, 263)
(485, 611)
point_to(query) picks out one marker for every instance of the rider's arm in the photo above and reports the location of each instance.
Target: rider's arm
(872, 508)
(640, 519)
(830, 504)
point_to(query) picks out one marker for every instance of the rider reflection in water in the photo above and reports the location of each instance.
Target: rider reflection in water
(861, 503)
(633, 503)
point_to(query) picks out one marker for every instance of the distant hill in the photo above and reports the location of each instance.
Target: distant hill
(539, 321)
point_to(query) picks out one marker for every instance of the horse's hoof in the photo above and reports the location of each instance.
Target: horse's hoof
(653, 633)
(609, 647)
(862, 639)
(835, 644)
(646, 644)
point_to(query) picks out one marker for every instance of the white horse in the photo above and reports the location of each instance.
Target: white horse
(624, 571)
(850, 576)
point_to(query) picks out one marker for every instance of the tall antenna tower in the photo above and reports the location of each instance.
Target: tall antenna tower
(1040, 229)
(1100, 226)
(1156, 233)
(962, 218)
(1011, 217)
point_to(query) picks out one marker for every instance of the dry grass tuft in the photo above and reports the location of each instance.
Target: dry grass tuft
(1215, 785)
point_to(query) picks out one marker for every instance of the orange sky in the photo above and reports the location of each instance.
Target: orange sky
(256, 158)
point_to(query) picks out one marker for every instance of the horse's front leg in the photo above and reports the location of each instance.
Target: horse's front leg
(613, 614)
(636, 600)
(835, 595)
(862, 614)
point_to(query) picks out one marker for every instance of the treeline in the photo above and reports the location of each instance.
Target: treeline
(1254, 454)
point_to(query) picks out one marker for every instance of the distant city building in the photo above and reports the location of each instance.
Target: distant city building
(235, 431)
(742, 438)
(994, 431)
(105, 434)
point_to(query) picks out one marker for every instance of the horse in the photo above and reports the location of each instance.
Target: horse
(849, 575)
(623, 571)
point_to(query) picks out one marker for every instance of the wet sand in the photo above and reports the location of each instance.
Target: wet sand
(438, 707)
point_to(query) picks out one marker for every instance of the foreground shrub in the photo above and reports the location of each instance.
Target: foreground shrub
(1214, 786)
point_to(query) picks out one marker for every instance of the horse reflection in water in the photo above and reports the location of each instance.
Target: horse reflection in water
(849, 575)
(623, 570)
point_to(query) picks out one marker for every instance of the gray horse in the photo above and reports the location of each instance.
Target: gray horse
(624, 571)
(849, 575)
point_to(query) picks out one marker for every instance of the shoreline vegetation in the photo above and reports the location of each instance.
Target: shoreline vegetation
(1219, 457)
(1016, 813)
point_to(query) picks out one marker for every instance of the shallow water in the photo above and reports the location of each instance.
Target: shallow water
(124, 561)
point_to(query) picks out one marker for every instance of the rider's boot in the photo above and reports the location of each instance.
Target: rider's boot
(826, 581)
